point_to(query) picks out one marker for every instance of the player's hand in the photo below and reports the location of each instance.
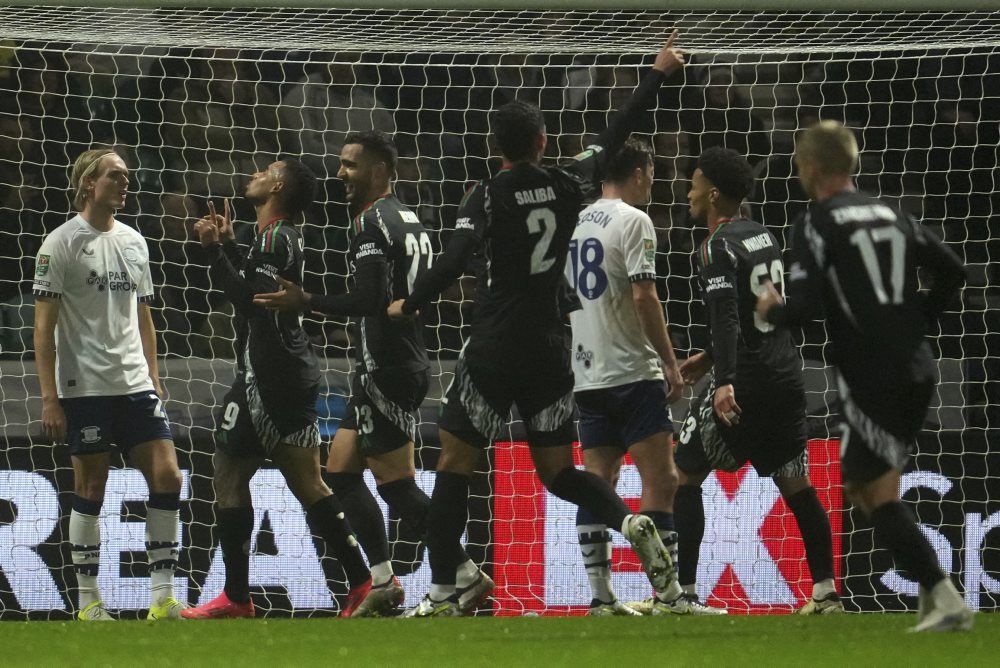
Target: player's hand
(395, 310)
(669, 59)
(694, 367)
(291, 297)
(675, 383)
(222, 222)
(207, 232)
(770, 298)
(726, 407)
(53, 420)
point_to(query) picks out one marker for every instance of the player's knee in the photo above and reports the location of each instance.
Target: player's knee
(90, 488)
(166, 479)
(859, 496)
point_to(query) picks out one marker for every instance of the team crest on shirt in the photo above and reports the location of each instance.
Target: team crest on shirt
(649, 247)
(130, 255)
(90, 434)
(42, 267)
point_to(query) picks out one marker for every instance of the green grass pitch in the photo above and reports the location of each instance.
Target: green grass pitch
(848, 640)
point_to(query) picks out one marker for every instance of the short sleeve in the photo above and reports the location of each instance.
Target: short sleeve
(145, 291)
(50, 268)
(639, 246)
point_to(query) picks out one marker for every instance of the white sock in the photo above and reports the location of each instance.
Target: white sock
(442, 592)
(466, 573)
(162, 552)
(823, 588)
(595, 548)
(381, 573)
(85, 548)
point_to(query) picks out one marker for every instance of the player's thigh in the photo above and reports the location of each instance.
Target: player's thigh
(457, 455)
(90, 475)
(605, 462)
(90, 439)
(344, 456)
(790, 486)
(396, 464)
(654, 460)
(550, 460)
(871, 494)
(301, 470)
(157, 461)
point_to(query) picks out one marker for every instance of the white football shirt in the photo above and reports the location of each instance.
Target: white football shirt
(613, 245)
(99, 279)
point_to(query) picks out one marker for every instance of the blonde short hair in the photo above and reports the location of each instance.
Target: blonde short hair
(86, 165)
(830, 146)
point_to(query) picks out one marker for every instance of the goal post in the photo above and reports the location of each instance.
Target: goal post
(196, 98)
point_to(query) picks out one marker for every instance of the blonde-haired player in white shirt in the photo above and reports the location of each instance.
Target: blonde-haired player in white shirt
(95, 352)
(625, 369)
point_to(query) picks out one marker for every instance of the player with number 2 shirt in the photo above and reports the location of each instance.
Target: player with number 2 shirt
(516, 354)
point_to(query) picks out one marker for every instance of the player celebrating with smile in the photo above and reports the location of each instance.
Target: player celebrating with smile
(270, 411)
(390, 250)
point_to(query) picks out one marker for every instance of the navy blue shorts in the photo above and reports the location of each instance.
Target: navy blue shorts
(620, 417)
(95, 424)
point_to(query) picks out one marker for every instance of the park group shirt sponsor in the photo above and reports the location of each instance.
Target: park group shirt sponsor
(99, 278)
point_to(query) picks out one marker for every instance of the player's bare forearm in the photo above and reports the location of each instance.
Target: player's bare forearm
(147, 334)
(46, 318)
(695, 367)
(654, 324)
(53, 417)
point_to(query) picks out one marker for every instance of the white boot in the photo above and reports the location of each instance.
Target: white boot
(947, 610)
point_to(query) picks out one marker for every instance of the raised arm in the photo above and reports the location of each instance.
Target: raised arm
(669, 60)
